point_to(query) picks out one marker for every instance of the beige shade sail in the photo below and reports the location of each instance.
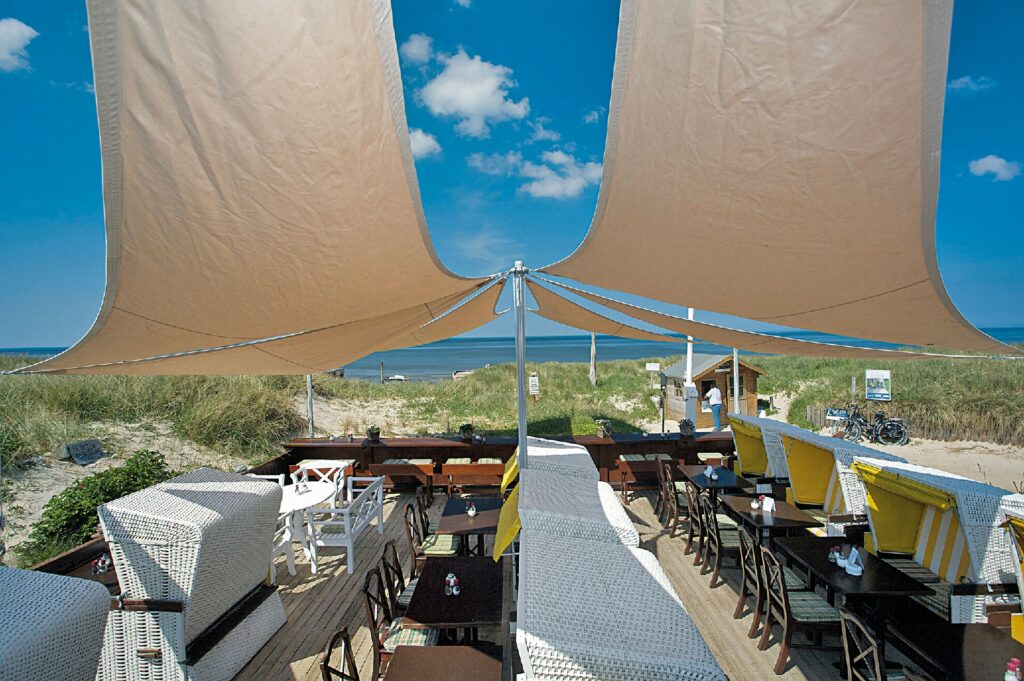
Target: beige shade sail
(779, 161)
(321, 349)
(751, 340)
(257, 178)
(552, 306)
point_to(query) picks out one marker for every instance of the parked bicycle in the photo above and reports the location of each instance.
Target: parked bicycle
(881, 429)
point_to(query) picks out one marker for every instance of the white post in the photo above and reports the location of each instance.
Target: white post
(735, 380)
(309, 403)
(689, 350)
(593, 359)
(519, 300)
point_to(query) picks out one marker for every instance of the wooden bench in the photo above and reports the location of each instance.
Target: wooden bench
(463, 473)
(639, 470)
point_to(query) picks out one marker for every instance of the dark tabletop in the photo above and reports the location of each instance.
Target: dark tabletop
(444, 663)
(786, 515)
(455, 520)
(960, 652)
(879, 578)
(727, 480)
(479, 604)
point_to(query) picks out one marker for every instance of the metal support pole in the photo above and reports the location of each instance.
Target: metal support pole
(689, 350)
(593, 359)
(519, 301)
(736, 380)
(309, 403)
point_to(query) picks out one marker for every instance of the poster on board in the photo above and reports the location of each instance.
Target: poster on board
(878, 385)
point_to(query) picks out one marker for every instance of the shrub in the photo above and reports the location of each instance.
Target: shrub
(69, 518)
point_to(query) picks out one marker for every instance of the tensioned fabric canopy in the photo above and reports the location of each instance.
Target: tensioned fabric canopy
(779, 162)
(746, 340)
(257, 182)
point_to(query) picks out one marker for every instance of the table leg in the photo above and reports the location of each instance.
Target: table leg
(310, 542)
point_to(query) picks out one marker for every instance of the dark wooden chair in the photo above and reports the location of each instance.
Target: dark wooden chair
(676, 504)
(861, 653)
(695, 531)
(346, 669)
(661, 502)
(420, 547)
(386, 632)
(399, 593)
(792, 610)
(720, 539)
(423, 502)
(752, 580)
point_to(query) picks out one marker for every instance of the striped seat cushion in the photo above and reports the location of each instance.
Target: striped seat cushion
(432, 527)
(937, 602)
(441, 545)
(680, 486)
(818, 514)
(730, 540)
(397, 636)
(406, 596)
(631, 457)
(488, 459)
(725, 522)
(407, 461)
(912, 568)
(460, 459)
(794, 582)
(807, 606)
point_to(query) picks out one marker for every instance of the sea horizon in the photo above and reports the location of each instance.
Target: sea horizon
(438, 360)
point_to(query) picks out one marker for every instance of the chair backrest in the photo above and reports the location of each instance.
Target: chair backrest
(421, 511)
(391, 570)
(696, 515)
(346, 669)
(860, 648)
(279, 478)
(709, 519)
(413, 534)
(748, 559)
(775, 582)
(662, 479)
(378, 613)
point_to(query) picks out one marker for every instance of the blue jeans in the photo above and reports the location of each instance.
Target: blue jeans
(716, 412)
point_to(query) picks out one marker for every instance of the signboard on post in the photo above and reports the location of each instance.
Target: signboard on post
(654, 366)
(534, 385)
(878, 385)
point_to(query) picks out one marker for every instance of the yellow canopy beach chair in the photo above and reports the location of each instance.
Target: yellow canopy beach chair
(751, 457)
(941, 529)
(1013, 523)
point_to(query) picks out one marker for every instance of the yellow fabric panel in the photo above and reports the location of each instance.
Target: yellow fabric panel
(869, 543)
(895, 519)
(511, 471)
(1015, 528)
(1017, 626)
(508, 524)
(810, 468)
(835, 500)
(904, 487)
(750, 451)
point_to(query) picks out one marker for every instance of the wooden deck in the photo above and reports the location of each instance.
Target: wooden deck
(320, 604)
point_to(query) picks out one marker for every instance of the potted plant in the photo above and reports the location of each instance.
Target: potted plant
(687, 428)
(373, 433)
(466, 432)
(604, 427)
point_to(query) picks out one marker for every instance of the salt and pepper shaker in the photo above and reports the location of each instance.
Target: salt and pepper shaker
(471, 509)
(451, 585)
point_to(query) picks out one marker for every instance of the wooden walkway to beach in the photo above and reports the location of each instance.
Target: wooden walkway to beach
(319, 604)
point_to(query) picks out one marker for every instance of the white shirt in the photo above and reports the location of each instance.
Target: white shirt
(714, 396)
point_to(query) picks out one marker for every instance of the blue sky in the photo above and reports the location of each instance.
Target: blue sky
(507, 106)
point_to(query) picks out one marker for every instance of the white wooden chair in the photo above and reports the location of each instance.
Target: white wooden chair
(325, 470)
(283, 535)
(342, 526)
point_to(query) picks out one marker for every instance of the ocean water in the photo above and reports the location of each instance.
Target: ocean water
(438, 360)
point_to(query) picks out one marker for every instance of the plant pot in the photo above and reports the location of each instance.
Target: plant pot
(373, 436)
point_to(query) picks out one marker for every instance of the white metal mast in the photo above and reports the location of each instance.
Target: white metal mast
(519, 300)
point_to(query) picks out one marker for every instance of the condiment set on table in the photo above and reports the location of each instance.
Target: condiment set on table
(711, 473)
(470, 508)
(451, 585)
(852, 563)
(763, 503)
(1014, 672)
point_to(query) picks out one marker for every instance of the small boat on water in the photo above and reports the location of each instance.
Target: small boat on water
(398, 377)
(461, 373)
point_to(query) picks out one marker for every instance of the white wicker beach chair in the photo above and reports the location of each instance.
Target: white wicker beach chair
(604, 612)
(51, 626)
(564, 505)
(564, 458)
(283, 535)
(196, 547)
(342, 526)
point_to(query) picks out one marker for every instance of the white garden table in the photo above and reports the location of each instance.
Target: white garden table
(295, 505)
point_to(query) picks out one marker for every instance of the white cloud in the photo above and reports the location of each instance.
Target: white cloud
(475, 92)
(14, 38)
(591, 117)
(968, 85)
(418, 49)
(1000, 169)
(463, 3)
(540, 133)
(423, 144)
(560, 176)
(495, 164)
(487, 247)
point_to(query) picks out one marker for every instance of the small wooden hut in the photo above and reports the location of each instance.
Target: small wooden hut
(710, 370)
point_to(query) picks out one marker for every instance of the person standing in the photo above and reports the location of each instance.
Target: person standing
(714, 398)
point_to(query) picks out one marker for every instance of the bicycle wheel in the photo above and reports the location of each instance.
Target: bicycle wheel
(854, 431)
(892, 433)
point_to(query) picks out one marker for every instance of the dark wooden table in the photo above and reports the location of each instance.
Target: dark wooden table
(727, 480)
(455, 520)
(954, 652)
(875, 591)
(786, 520)
(478, 604)
(444, 663)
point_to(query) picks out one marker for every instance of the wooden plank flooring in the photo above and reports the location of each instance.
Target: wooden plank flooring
(319, 604)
